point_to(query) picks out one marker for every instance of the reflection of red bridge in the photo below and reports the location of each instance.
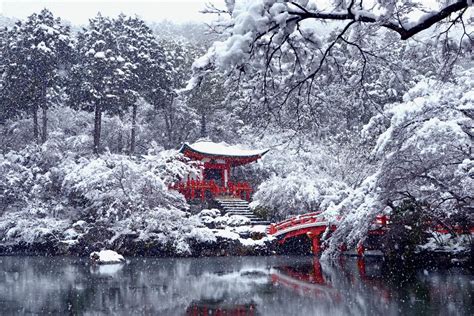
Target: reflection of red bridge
(309, 279)
(210, 308)
(314, 225)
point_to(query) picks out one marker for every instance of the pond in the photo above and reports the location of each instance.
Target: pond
(229, 286)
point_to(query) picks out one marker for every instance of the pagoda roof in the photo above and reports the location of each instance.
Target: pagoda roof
(202, 149)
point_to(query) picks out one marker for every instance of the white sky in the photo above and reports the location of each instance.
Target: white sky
(79, 11)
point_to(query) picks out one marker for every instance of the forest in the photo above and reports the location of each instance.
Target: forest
(362, 115)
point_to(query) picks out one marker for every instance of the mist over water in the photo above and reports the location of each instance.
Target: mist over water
(249, 285)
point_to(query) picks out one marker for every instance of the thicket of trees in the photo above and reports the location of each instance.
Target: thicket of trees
(117, 66)
(78, 109)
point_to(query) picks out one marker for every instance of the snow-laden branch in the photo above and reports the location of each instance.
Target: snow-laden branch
(406, 31)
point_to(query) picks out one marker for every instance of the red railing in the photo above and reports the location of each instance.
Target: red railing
(295, 221)
(193, 189)
(313, 217)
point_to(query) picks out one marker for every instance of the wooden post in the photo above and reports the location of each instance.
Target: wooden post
(226, 175)
(316, 245)
(360, 249)
(315, 242)
(361, 267)
(318, 271)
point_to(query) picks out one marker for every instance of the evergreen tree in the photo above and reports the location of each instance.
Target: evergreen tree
(35, 56)
(98, 72)
(145, 66)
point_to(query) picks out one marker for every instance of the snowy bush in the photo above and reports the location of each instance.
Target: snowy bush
(45, 188)
(300, 181)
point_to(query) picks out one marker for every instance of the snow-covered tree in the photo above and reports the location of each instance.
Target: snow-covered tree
(145, 63)
(280, 53)
(424, 149)
(35, 58)
(98, 73)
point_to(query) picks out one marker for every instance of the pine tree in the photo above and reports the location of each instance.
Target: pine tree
(145, 65)
(35, 54)
(98, 72)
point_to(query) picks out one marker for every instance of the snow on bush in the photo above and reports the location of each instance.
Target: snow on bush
(299, 181)
(106, 257)
(447, 243)
(46, 189)
(116, 186)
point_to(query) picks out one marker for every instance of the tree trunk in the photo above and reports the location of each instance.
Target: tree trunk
(44, 132)
(168, 115)
(97, 127)
(120, 136)
(203, 125)
(134, 127)
(35, 125)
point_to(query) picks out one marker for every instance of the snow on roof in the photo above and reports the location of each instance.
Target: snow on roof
(222, 149)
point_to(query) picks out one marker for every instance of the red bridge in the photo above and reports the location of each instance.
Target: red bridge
(314, 225)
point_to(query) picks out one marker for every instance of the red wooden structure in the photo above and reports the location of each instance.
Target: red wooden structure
(312, 282)
(234, 310)
(313, 225)
(218, 160)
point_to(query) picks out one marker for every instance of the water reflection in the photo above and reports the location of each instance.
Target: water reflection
(228, 286)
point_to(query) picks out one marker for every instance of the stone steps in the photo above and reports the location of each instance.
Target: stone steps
(240, 207)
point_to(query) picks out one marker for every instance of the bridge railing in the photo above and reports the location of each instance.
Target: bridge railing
(379, 222)
(295, 221)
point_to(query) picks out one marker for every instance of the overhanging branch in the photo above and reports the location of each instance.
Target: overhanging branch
(400, 29)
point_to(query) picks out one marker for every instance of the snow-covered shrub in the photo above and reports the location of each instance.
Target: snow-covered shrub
(169, 227)
(236, 220)
(106, 257)
(295, 193)
(303, 181)
(44, 189)
(31, 225)
(116, 186)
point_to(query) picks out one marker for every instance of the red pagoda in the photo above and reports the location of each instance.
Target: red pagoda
(217, 160)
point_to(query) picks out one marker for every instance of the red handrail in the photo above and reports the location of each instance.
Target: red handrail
(192, 189)
(312, 217)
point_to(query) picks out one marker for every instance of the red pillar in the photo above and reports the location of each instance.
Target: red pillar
(361, 267)
(318, 272)
(360, 249)
(316, 243)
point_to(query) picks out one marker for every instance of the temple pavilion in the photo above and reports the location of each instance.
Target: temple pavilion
(217, 161)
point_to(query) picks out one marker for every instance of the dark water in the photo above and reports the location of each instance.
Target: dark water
(228, 286)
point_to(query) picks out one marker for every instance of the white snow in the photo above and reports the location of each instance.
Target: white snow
(99, 55)
(226, 233)
(106, 256)
(223, 149)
